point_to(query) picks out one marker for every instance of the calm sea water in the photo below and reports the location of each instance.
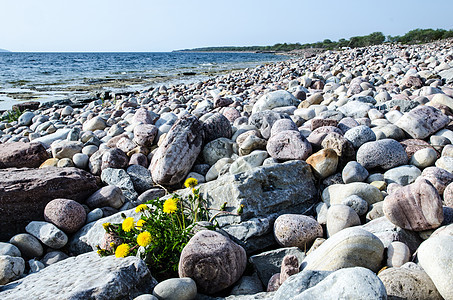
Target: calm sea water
(51, 76)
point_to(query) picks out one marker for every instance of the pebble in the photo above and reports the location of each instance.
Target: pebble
(386, 154)
(424, 158)
(356, 203)
(291, 230)
(176, 289)
(106, 196)
(359, 135)
(354, 172)
(48, 234)
(398, 254)
(339, 217)
(66, 214)
(29, 246)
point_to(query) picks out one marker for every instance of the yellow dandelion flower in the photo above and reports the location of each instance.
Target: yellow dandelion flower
(112, 245)
(106, 226)
(128, 224)
(140, 223)
(122, 250)
(144, 239)
(170, 205)
(190, 182)
(141, 207)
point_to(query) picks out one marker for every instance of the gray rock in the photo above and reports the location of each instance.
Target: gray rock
(355, 109)
(402, 175)
(80, 160)
(217, 149)
(48, 234)
(268, 263)
(247, 285)
(10, 268)
(28, 245)
(151, 194)
(386, 154)
(265, 120)
(141, 178)
(354, 172)
(176, 289)
(292, 230)
(422, 121)
(350, 283)
(106, 196)
(339, 217)
(217, 126)
(9, 249)
(35, 265)
(26, 118)
(356, 203)
(248, 162)
(336, 193)
(60, 134)
(94, 215)
(289, 145)
(359, 135)
(109, 278)
(96, 123)
(66, 149)
(53, 257)
(300, 282)
(121, 179)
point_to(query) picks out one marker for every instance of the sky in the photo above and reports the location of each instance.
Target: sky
(159, 26)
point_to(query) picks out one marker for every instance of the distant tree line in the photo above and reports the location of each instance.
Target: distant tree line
(415, 36)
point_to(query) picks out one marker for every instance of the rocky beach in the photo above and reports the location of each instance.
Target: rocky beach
(333, 173)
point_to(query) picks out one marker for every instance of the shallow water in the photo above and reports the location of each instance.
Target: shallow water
(52, 76)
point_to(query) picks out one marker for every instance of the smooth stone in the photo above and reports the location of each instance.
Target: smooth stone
(28, 245)
(26, 118)
(359, 135)
(351, 247)
(288, 145)
(406, 283)
(66, 214)
(11, 268)
(274, 99)
(424, 158)
(106, 196)
(402, 175)
(80, 160)
(422, 121)
(19, 155)
(446, 163)
(354, 172)
(96, 123)
(214, 261)
(35, 265)
(66, 149)
(300, 282)
(94, 215)
(291, 230)
(48, 139)
(398, 254)
(9, 249)
(248, 162)
(386, 154)
(176, 289)
(336, 193)
(216, 126)
(349, 283)
(339, 217)
(65, 163)
(448, 195)
(323, 162)
(435, 257)
(416, 207)
(48, 234)
(53, 257)
(114, 158)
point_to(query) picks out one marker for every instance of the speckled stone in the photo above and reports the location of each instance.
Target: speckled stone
(296, 230)
(356, 203)
(359, 135)
(386, 154)
(422, 121)
(68, 215)
(354, 172)
(288, 145)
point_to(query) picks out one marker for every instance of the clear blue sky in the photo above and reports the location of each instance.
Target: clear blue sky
(149, 25)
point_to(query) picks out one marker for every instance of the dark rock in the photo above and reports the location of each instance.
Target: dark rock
(20, 155)
(217, 126)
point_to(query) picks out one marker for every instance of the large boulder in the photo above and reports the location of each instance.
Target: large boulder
(86, 276)
(176, 155)
(422, 121)
(214, 261)
(20, 155)
(24, 193)
(278, 188)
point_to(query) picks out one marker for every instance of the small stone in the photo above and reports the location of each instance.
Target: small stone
(66, 149)
(398, 254)
(96, 123)
(446, 163)
(106, 196)
(356, 203)
(28, 245)
(176, 289)
(141, 178)
(339, 217)
(68, 215)
(53, 257)
(440, 178)
(288, 145)
(11, 268)
(354, 172)
(424, 158)
(359, 135)
(291, 230)
(48, 234)
(80, 160)
(94, 215)
(402, 175)
(386, 154)
(114, 158)
(9, 249)
(323, 162)
(336, 193)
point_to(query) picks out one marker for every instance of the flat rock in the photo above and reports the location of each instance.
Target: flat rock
(22, 155)
(422, 121)
(24, 193)
(416, 207)
(86, 276)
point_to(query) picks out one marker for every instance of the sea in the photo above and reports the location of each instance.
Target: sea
(58, 76)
